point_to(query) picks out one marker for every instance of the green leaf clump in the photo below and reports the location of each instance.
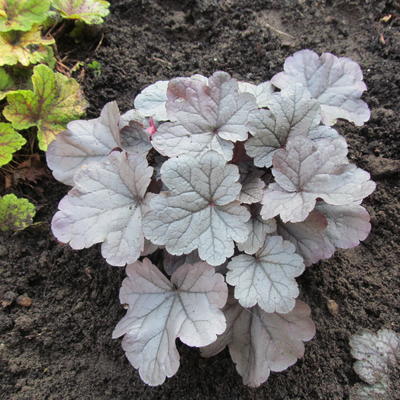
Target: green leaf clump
(54, 101)
(88, 11)
(10, 142)
(15, 213)
(21, 15)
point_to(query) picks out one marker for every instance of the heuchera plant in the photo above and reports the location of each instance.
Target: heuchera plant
(236, 185)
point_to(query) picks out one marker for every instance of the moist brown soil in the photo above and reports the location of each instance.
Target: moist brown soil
(61, 348)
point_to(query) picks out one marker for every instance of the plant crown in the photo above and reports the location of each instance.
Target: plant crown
(235, 184)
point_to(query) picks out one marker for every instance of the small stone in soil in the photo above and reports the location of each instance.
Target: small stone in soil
(333, 307)
(24, 301)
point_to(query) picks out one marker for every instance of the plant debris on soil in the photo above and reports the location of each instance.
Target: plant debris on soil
(58, 307)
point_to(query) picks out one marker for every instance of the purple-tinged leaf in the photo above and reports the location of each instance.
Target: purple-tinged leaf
(305, 171)
(106, 205)
(267, 278)
(172, 263)
(261, 342)
(291, 112)
(91, 141)
(209, 115)
(337, 84)
(159, 311)
(200, 211)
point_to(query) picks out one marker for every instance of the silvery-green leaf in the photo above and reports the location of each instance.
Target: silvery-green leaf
(106, 206)
(200, 211)
(262, 92)
(161, 310)
(267, 278)
(290, 112)
(305, 171)
(261, 342)
(150, 102)
(208, 115)
(337, 84)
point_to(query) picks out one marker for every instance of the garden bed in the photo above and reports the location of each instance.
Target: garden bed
(61, 348)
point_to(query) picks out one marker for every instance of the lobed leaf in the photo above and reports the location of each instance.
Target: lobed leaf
(291, 112)
(10, 142)
(337, 84)
(262, 92)
(305, 171)
(15, 213)
(21, 15)
(89, 141)
(261, 342)
(267, 278)
(54, 101)
(208, 115)
(24, 47)
(159, 311)
(200, 210)
(88, 11)
(85, 218)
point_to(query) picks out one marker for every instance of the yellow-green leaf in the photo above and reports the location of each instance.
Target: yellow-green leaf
(88, 11)
(54, 101)
(21, 15)
(10, 142)
(15, 213)
(24, 47)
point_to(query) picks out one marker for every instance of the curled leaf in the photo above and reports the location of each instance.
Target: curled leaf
(88, 11)
(261, 342)
(15, 213)
(200, 211)
(54, 101)
(10, 142)
(84, 218)
(337, 84)
(159, 311)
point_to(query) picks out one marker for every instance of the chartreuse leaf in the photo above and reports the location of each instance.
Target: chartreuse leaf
(261, 342)
(20, 15)
(54, 101)
(15, 213)
(88, 11)
(161, 310)
(85, 218)
(200, 211)
(10, 142)
(24, 47)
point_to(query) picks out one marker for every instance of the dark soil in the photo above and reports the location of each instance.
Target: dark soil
(61, 348)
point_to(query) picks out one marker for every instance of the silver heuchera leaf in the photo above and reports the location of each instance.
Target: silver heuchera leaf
(209, 115)
(262, 92)
(258, 229)
(172, 263)
(106, 205)
(260, 342)
(151, 101)
(325, 229)
(337, 84)
(135, 138)
(291, 112)
(89, 141)
(305, 171)
(200, 211)
(160, 311)
(376, 353)
(267, 278)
